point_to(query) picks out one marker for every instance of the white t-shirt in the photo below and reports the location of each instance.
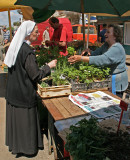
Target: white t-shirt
(46, 35)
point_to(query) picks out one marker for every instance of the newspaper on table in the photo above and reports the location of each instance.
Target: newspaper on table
(99, 104)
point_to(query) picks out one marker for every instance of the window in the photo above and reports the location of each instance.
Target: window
(91, 30)
(75, 29)
(127, 33)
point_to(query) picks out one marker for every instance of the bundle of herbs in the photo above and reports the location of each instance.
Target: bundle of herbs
(45, 55)
(87, 141)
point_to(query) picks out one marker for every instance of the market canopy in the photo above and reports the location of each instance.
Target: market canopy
(115, 7)
(96, 7)
(9, 5)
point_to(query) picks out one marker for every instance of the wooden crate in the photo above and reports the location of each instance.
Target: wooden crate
(94, 85)
(54, 91)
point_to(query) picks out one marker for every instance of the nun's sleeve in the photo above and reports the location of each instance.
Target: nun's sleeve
(33, 71)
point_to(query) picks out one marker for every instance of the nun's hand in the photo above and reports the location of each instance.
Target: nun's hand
(74, 59)
(52, 64)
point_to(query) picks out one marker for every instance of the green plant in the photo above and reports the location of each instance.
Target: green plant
(86, 141)
(65, 73)
(43, 56)
(43, 85)
(71, 51)
(81, 73)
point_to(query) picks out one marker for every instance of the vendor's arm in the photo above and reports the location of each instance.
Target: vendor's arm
(62, 44)
(33, 70)
(97, 52)
(63, 37)
(77, 58)
(113, 56)
(55, 43)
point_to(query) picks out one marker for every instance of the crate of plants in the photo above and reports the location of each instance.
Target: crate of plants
(97, 84)
(54, 91)
(90, 77)
(55, 85)
(48, 88)
(83, 76)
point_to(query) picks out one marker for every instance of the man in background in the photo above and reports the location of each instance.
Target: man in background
(59, 37)
(45, 36)
(102, 33)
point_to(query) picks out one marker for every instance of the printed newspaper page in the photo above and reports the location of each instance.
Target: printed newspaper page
(99, 104)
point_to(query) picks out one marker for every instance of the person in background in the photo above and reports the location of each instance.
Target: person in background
(23, 134)
(6, 38)
(112, 55)
(6, 35)
(102, 34)
(45, 36)
(59, 37)
(1, 47)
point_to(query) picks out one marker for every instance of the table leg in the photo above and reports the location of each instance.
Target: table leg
(51, 135)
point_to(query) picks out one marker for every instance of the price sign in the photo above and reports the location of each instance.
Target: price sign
(123, 105)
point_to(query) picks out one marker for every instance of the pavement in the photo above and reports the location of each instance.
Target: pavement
(4, 153)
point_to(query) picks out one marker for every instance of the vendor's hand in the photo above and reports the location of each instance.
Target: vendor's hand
(74, 59)
(52, 64)
(86, 50)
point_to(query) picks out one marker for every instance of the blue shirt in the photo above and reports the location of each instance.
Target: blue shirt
(101, 34)
(114, 58)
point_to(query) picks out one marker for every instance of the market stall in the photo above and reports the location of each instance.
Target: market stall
(77, 79)
(62, 113)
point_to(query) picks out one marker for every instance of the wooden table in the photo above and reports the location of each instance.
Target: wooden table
(58, 109)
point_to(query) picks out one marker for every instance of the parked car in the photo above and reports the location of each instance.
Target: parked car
(78, 32)
(42, 26)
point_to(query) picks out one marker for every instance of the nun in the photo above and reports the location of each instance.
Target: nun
(23, 135)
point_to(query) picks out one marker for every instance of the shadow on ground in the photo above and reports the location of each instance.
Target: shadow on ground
(3, 79)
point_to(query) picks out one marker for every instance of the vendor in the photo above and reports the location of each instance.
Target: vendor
(59, 37)
(112, 55)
